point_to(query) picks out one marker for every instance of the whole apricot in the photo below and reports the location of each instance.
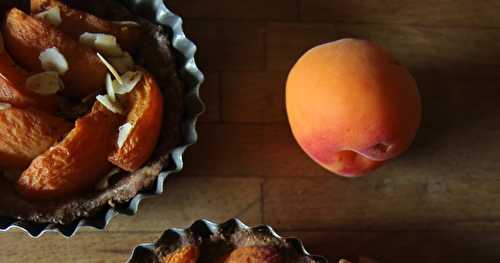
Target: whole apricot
(352, 106)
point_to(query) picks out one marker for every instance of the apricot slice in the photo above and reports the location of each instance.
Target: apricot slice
(254, 254)
(77, 163)
(12, 86)
(145, 104)
(75, 22)
(187, 254)
(27, 133)
(26, 37)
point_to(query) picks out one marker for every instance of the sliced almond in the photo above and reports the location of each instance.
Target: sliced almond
(104, 43)
(107, 45)
(112, 106)
(53, 60)
(122, 63)
(123, 133)
(51, 16)
(126, 23)
(45, 83)
(88, 39)
(110, 90)
(110, 68)
(130, 80)
(4, 106)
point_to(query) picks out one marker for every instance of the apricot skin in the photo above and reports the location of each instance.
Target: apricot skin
(254, 255)
(25, 134)
(351, 106)
(187, 254)
(77, 163)
(26, 37)
(146, 110)
(76, 22)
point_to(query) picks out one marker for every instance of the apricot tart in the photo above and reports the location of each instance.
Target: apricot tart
(230, 242)
(91, 105)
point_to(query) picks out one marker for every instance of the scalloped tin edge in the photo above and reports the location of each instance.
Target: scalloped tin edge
(200, 227)
(193, 78)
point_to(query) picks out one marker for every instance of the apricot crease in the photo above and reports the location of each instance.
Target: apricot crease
(77, 163)
(76, 22)
(145, 104)
(26, 37)
(27, 133)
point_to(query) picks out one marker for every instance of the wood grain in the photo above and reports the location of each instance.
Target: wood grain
(260, 10)
(426, 12)
(253, 97)
(228, 46)
(413, 46)
(85, 247)
(404, 246)
(250, 150)
(210, 94)
(189, 199)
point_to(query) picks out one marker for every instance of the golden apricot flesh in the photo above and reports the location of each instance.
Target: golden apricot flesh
(27, 37)
(75, 22)
(187, 254)
(145, 115)
(77, 163)
(254, 254)
(27, 133)
(13, 89)
(351, 106)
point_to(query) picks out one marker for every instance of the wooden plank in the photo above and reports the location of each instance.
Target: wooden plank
(190, 199)
(408, 247)
(414, 46)
(427, 12)
(253, 96)
(84, 247)
(450, 96)
(277, 10)
(248, 150)
(231, 46)
(210, 94)
(449, 181)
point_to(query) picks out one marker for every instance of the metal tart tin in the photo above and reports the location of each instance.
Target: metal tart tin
(203, 229)
(157, 12)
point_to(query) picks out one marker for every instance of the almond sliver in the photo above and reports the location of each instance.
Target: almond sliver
(53, 60)
(110, 68)
(109, 104)
(122, 63)
(110, 90)
(4, 106)
(123, 133)
(45, 83)
(130, 80)
(51, 16)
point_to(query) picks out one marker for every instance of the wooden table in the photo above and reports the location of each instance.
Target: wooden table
(439, 202)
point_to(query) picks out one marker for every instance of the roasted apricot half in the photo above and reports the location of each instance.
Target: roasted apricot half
(75, 22)
(27, 37)
(145, 104)
(77, 163)
(27, 133)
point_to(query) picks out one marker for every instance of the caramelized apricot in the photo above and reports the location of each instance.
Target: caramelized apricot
(145, 114)
(26, 37)
(75, 22)
(77, 163)
(27, 133)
